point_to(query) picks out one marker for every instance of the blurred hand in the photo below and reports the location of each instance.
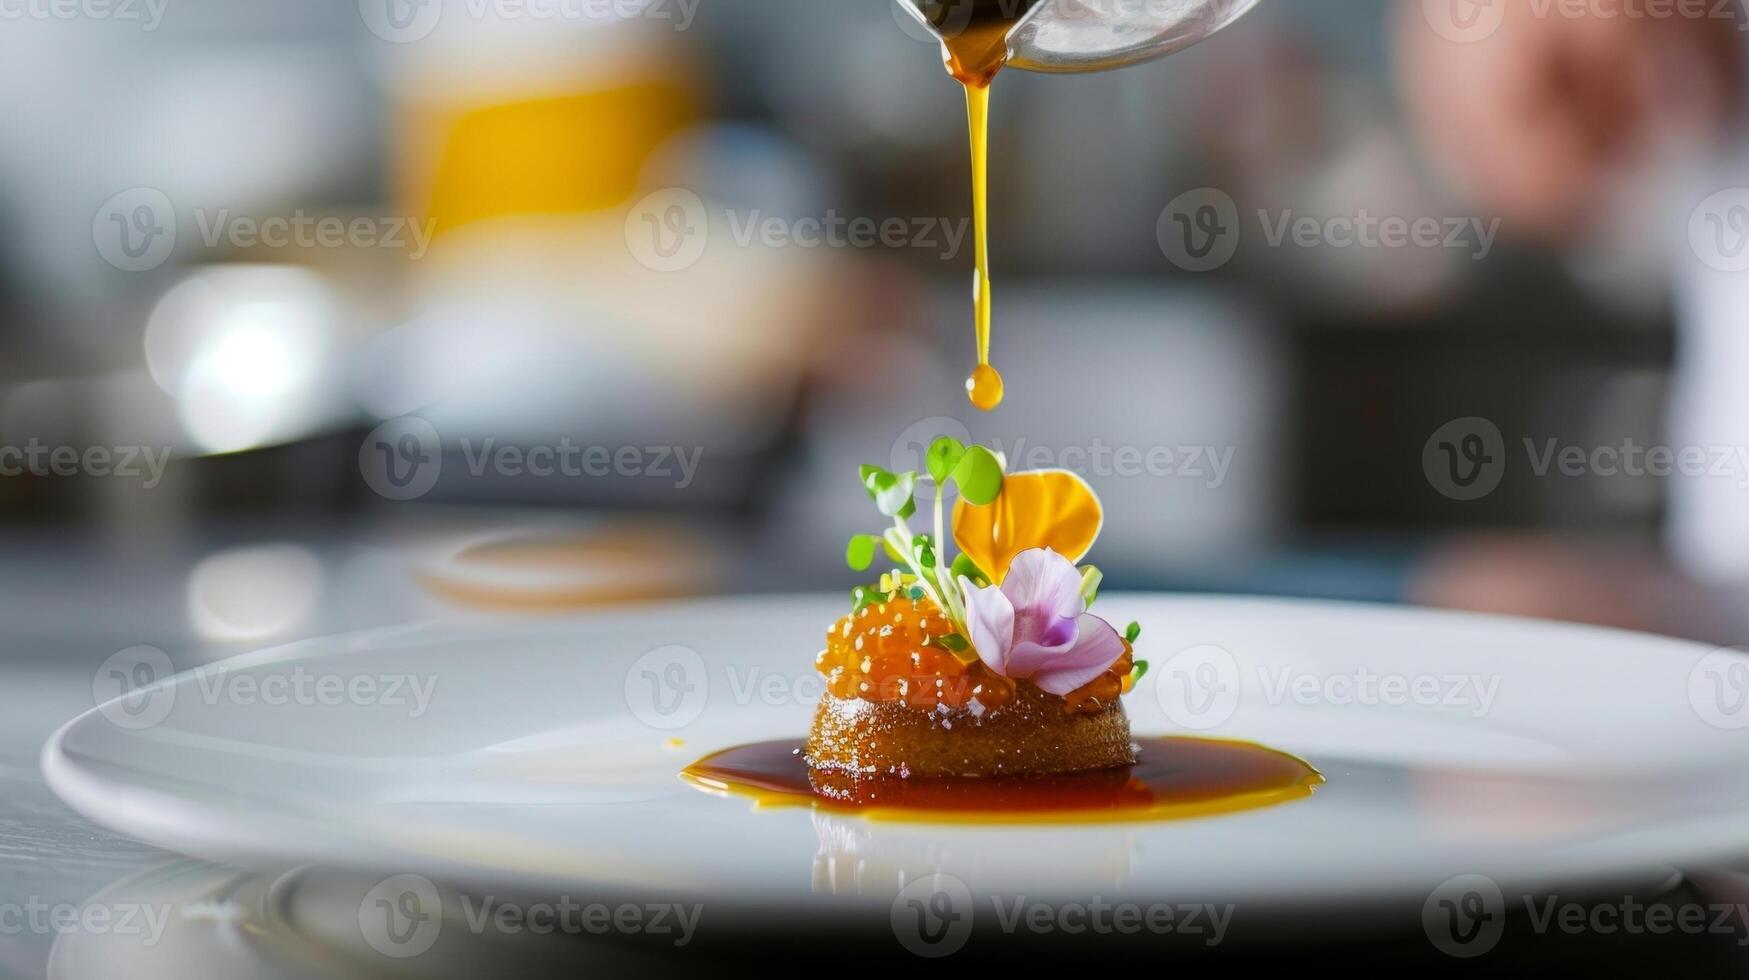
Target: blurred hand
(1538, 120)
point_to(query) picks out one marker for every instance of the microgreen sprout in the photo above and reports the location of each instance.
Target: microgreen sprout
(976, 473)
(1091, 576)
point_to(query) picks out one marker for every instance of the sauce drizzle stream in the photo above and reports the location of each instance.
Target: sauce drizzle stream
(975, 53)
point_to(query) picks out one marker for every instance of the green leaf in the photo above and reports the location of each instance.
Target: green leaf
(861, 552)
(893, 492)
(1091, 576)
(979, 476)
(944, 454)
(917, 593)
(891, 547)
(958, 646)
(964, 567)
(923, 549)
(1138, 670)
(870, 477)
(896, 548)
(1134, 630)
(865, 595)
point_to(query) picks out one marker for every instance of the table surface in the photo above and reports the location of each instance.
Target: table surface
(66, 604)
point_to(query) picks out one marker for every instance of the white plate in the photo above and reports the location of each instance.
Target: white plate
(543, 758)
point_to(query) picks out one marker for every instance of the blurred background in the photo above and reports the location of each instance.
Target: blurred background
(327, 315)
(320, 315)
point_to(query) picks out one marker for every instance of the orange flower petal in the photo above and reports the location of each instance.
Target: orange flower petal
(1053, 509)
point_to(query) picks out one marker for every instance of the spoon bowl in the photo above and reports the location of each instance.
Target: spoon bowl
(1067, 36)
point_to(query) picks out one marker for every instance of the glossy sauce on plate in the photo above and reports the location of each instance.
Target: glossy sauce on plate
(1172, 779)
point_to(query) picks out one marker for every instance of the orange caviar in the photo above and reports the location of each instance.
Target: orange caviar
(885, 651)
(1093, 696)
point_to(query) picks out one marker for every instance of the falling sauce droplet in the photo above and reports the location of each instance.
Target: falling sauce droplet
(985, 387)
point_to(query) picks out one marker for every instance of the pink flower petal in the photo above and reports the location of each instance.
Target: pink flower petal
(1027, 658)
(1097, 647)
(990, 620)
(1044, 580)
(1035, 626)
(1045, 589)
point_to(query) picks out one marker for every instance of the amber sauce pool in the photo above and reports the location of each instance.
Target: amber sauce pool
(976, 38)
(1173, 779)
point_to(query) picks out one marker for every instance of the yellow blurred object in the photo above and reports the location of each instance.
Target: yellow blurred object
(1053, 509)
(563, 154)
